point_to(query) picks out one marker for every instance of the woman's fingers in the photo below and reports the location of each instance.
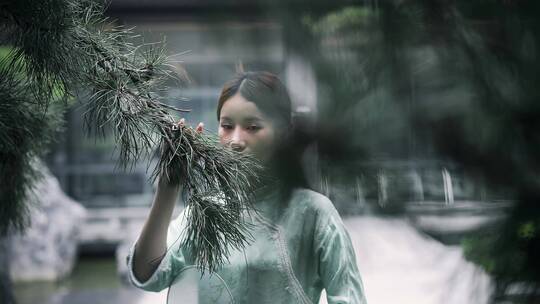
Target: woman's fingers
(178, 125)
(200, 127)
(182, 123)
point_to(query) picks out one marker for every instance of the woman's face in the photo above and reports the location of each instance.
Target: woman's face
(244, 128)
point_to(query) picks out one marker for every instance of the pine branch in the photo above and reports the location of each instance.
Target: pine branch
(66, 46)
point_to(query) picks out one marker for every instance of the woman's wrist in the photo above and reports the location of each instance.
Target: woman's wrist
(165, 184)
(167, 191)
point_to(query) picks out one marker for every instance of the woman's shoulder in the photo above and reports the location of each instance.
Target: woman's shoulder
(312, 201)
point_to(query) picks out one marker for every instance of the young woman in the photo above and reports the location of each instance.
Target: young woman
(300, 245)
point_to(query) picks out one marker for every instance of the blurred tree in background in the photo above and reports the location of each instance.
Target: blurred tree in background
(456, 80)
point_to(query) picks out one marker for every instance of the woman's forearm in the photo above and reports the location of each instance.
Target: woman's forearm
(152, 243)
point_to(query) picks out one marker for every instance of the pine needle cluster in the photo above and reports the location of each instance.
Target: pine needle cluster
(25, 132)
(215, 181)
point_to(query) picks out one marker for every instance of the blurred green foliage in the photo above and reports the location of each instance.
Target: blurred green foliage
(450, 80)
(27, 128)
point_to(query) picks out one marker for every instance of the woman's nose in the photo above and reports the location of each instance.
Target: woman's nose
(237, 141)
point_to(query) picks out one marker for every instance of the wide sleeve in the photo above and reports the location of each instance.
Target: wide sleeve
(338, 269)
(171, 264)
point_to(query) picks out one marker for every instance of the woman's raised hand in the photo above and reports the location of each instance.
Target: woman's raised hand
(163, 181)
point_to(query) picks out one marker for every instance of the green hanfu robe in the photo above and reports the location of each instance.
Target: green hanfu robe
(300, 247)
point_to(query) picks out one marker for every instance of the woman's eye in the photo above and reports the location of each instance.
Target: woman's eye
(227, 127)
(253, 128)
